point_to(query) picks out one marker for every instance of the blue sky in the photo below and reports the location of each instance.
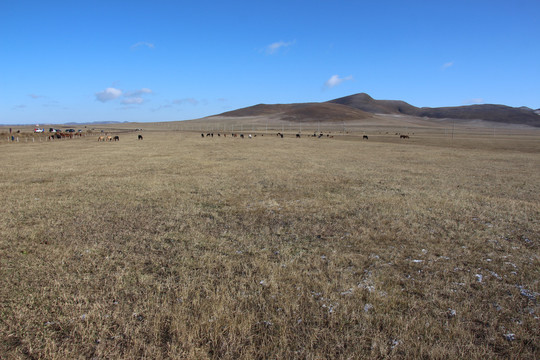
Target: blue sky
(83, 61)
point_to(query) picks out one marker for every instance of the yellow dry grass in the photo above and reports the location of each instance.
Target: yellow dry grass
(179, 246)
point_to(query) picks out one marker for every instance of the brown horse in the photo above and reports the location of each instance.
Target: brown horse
(403, 136)
(101, 138)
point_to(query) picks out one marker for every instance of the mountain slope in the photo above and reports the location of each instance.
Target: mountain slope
(488, 112)
(366, 103)
(303, 112)
(362, 106)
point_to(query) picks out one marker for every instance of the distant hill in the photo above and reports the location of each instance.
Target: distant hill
(303, 112)
(362, 106)
(96, 123)
(366, 103)
(488, 112)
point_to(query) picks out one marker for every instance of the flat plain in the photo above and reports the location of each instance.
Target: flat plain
(183, 246)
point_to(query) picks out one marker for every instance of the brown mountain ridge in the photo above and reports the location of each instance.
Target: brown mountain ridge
(362, 106)
(302, 112)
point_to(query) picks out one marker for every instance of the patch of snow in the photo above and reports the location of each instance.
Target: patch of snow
(531, 295)
(509, 337)
(494, 274)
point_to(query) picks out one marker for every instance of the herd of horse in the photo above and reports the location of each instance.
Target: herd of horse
(279, 134)
(140, 137)
(298, 135)
(114, 138)
(63, 135)
(109, 138)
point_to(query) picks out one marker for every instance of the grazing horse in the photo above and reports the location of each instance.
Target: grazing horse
(365, 137)
(101, 138)
(116, 138)
(403, 136)
(109, 138)
(297, 135)
(140, 137)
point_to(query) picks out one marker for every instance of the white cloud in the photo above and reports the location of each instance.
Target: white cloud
(128, 97)
(133, 100)
(108, 94)
(274, 47)
(138, 93)
(447, 65)
(34, 96)
(335, 80)
(143, 43)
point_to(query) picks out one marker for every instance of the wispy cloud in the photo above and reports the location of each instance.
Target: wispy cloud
(335, 80)
(34, 96)
(108, 94)
(138, 93)
(166, 106)
(143, 43)
(177, 103)
(191, 101)
(473, 101)
(128, 98)
(22, 106)
(133, 100)
(52, 103)
(274, 47)
(447, 65)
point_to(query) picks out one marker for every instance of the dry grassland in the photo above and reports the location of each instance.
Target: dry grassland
(183, 247)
